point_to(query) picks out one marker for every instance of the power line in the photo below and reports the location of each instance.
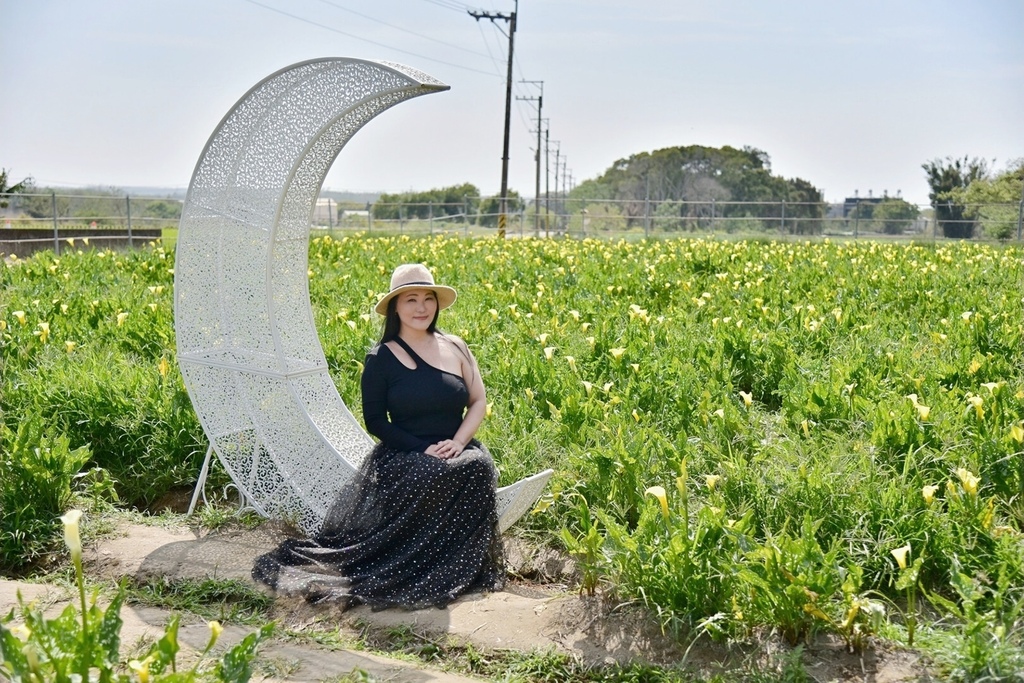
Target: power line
(366, 40)
(521, 110)
(520, 107)
(399, 28)
(488, 46)
(458, 7)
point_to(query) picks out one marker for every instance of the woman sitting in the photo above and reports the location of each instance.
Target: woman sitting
(417, 525)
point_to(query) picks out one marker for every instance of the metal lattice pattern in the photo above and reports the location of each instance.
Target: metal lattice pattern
(247, 344)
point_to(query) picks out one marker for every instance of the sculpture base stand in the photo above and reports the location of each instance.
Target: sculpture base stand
(201, 483)
(243, 501)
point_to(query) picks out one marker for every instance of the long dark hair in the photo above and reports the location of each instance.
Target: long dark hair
(393, 324)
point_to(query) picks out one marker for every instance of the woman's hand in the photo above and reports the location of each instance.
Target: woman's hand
(445, 450)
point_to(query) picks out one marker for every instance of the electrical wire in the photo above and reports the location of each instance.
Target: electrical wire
(521, 105)
(516, 92)
(367, 40)
(494, 61)
(448, 4)
(399, 28)
(526, 118)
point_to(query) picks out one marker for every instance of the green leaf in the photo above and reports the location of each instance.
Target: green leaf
(236, 665)
(13, 664)
(108, 634)
(165, 650)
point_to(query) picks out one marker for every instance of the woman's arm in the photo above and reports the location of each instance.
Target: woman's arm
(477, 408)
(375, 407)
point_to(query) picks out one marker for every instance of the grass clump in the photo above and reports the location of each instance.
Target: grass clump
(226, 600)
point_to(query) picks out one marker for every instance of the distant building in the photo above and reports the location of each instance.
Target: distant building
(850, 203)
(325, 212)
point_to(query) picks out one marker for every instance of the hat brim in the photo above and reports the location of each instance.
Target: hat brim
(445, 296)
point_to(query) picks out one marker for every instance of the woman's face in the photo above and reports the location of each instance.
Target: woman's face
(416, 308)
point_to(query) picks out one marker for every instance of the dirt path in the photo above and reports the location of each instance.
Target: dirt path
(524, 617)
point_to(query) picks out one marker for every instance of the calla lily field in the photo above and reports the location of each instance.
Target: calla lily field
(813, 437)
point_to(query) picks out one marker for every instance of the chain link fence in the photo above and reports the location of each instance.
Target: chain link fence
(33, 221)
(48, 220)
(867, 218)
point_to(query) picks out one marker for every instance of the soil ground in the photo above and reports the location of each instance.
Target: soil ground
(541, 614)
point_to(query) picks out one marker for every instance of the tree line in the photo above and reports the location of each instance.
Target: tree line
(966, 194)
(688, 181)
(460, 203)
(685, 185)
(102, 205)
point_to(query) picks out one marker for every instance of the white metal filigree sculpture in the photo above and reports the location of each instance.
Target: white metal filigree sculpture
(247, 344)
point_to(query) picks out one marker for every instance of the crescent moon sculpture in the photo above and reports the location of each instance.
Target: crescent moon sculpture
(246, 339)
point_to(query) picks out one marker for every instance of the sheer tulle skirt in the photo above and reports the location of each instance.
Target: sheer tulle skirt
(409, 530)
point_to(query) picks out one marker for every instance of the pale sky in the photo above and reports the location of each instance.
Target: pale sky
(851, 96)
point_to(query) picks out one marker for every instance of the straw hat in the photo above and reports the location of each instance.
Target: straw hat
(415, 276)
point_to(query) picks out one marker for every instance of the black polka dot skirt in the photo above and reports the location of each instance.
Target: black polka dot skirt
(410, 530)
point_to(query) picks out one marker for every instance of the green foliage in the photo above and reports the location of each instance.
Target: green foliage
(789, 581)
(491, 207)
(85, 644)
(894, 216)
(91, 353)
(988, 644)
(101, 205)
(140, 425)
(997, 201)
(457, 200)
(104, 205)
(164, 209)
(37, 469)
(683, 182)
(944, 178)
(586, 547)
(683, 561)
(7, 189)
(873, 388)
(805, 207)
(221, 599)
(510, 664)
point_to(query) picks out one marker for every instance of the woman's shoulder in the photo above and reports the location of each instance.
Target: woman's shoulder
(454, 339)
(380, 351)
(460, 345)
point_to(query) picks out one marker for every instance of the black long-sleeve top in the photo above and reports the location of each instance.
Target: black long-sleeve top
(410, 409)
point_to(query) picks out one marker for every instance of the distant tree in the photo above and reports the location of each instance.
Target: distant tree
(589, 189)
(41, 202)
(104, 205)
(945, 176)
(7, 190)
(491, 207)
(893, 216)
(163, 209)
(681, 183)
(996, 201)
(457, 200)
(805, 207)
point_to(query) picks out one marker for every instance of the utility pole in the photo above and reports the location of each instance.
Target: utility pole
(558, 151)
(511, 19)
(536, 201)
(1020, 210)
(547, 182)
(565, 162)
